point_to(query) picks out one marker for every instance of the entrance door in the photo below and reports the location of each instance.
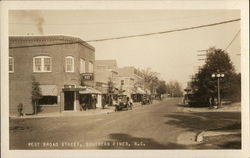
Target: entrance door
(69, 98)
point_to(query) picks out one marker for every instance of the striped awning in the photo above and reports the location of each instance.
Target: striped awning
(48, 90)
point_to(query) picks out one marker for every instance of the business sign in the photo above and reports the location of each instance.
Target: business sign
(88, 76)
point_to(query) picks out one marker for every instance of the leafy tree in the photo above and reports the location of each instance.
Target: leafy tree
(35, 96)
(204, 86)
(161, 89)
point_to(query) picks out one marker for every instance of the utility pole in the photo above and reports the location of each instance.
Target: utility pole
(218, 76)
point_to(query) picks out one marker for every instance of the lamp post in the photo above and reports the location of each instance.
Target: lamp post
(218, 76)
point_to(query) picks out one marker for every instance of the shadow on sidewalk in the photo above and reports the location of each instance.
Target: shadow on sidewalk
(125, 141)
(205, 120)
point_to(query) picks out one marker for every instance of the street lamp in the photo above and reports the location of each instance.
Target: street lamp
(218, 76)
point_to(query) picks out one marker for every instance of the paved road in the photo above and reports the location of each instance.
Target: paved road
(155, 126)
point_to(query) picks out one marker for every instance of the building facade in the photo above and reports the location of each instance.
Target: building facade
(131, 81)
(62, 65)
(105, 74)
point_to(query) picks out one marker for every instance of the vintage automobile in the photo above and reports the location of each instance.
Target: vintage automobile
(146, 99)
(123, 102)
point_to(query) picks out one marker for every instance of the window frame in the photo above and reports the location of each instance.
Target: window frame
(42, 64)
(13, 64)
(82, 62)
(91, 67)
(73, 63)
(44, 105)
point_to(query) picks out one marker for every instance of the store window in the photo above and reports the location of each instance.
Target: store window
(48, 100)
(42, 64)
(69, 61)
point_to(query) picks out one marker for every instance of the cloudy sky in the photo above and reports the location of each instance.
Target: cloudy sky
(173, 55)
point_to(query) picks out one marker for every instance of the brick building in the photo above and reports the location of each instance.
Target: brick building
(105, 72)
(62, 65)
(131, 80)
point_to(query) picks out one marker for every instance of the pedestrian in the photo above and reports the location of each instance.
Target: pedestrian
(103, 102)
(210, 102)
(94, 101)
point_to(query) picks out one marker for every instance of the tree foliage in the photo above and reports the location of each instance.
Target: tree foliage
(204, 86)
(35, 96)
(162, 88)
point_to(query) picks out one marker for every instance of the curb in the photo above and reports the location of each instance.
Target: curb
(201, 135)
(56, 115)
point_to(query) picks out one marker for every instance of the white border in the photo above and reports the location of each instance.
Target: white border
(240, 4)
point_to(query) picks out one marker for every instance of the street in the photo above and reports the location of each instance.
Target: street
(163, 125)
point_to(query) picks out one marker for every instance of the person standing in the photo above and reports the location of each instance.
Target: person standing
(210, 102)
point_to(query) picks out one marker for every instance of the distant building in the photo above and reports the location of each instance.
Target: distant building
(62, 65)
(131, 80)
(105, 72)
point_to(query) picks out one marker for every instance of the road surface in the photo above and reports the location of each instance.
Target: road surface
(155, 126)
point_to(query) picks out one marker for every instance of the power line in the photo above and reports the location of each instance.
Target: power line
(164, 32)
(232, 40)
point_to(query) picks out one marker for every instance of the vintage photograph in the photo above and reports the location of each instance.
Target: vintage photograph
(124, 79)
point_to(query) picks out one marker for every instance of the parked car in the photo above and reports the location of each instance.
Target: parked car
(123, 102)
(146, 99)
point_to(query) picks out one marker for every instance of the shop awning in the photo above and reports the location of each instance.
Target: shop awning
(139, 91)
(89, 90)
(48, 90)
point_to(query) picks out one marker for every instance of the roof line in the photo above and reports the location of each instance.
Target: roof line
(44, 45)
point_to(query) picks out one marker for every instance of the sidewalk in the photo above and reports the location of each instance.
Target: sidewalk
(217, 135)
(89, 112)
(234, 107)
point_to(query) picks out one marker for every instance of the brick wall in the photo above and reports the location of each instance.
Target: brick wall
(20, 81)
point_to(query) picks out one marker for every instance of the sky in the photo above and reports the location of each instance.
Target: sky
(173, 55)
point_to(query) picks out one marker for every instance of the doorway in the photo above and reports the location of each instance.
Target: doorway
(69, 100)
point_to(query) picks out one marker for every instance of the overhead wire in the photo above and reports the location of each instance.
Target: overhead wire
(231, 42)
(165, 32)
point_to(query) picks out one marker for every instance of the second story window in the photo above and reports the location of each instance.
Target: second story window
(11, 64)
(91, 67)
(69, 64)
(42, 64)
(82, 66)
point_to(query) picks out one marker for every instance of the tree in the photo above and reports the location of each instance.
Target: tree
(204, 86)
(174, 89)
(150, 79)
(35, 96)
(111, 88)
(161, 89)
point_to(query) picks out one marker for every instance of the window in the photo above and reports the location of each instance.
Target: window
(11, 64)
(82, 66)
(48, 100)
(91, 67)
(42, 64)
(69, 61)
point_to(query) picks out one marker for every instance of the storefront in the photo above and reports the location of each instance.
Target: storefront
(90, 98)
(138, 94)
